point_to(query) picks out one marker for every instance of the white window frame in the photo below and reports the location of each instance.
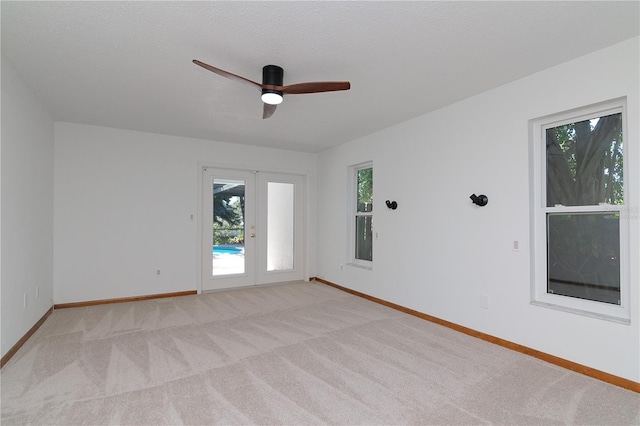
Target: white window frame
(353, 213)
(539, 210)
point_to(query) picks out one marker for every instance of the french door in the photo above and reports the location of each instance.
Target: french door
(252, 228)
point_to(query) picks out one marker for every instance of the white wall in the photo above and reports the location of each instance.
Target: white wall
(437, 253)
(123, 202)
(26, 208)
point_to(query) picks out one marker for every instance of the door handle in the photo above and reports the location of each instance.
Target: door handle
(252, 235)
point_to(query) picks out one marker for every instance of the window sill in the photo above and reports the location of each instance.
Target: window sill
(598, 315)
(360, 265)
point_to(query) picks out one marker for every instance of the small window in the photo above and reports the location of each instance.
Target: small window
(362, 215)
(580, 235)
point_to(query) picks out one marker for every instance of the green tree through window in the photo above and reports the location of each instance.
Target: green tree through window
(364, 215)
(584, 169)
(584, 162)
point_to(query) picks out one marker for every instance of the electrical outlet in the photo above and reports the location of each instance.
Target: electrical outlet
(516, 245)
(158, 272)
(37, 292)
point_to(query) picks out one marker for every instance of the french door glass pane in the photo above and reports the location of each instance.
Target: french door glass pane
(280, 226)
(228, 227)
(583, 255)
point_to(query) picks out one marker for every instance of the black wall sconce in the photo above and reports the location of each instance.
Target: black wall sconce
(480, 200)
(392, 204)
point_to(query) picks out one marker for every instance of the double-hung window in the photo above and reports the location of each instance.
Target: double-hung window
(580, 229)
(361, 217)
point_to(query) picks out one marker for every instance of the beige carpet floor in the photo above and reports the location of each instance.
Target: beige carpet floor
(289, 354)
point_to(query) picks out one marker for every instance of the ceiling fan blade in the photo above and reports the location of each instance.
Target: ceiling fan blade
(315, 87)
(268, 110)
(227, 74)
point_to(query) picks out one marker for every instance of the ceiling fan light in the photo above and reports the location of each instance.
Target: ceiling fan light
(272, 97)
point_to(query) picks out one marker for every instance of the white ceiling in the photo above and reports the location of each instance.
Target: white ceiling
(128, 64)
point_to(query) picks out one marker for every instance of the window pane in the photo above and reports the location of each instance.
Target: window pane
(228, 227)
(364, 238)
(583, 256)
(280, 226)
(365, 190)
(584, 162)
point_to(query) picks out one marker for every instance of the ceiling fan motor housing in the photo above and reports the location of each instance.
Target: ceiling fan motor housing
(272, 75)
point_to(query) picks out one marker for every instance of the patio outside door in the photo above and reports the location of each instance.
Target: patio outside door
(252, 228)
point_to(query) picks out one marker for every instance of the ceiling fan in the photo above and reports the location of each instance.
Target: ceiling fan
(272, 85)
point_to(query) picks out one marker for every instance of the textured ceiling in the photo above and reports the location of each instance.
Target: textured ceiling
(128, 64)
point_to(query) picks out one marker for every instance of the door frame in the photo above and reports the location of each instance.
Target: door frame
(304, 258)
